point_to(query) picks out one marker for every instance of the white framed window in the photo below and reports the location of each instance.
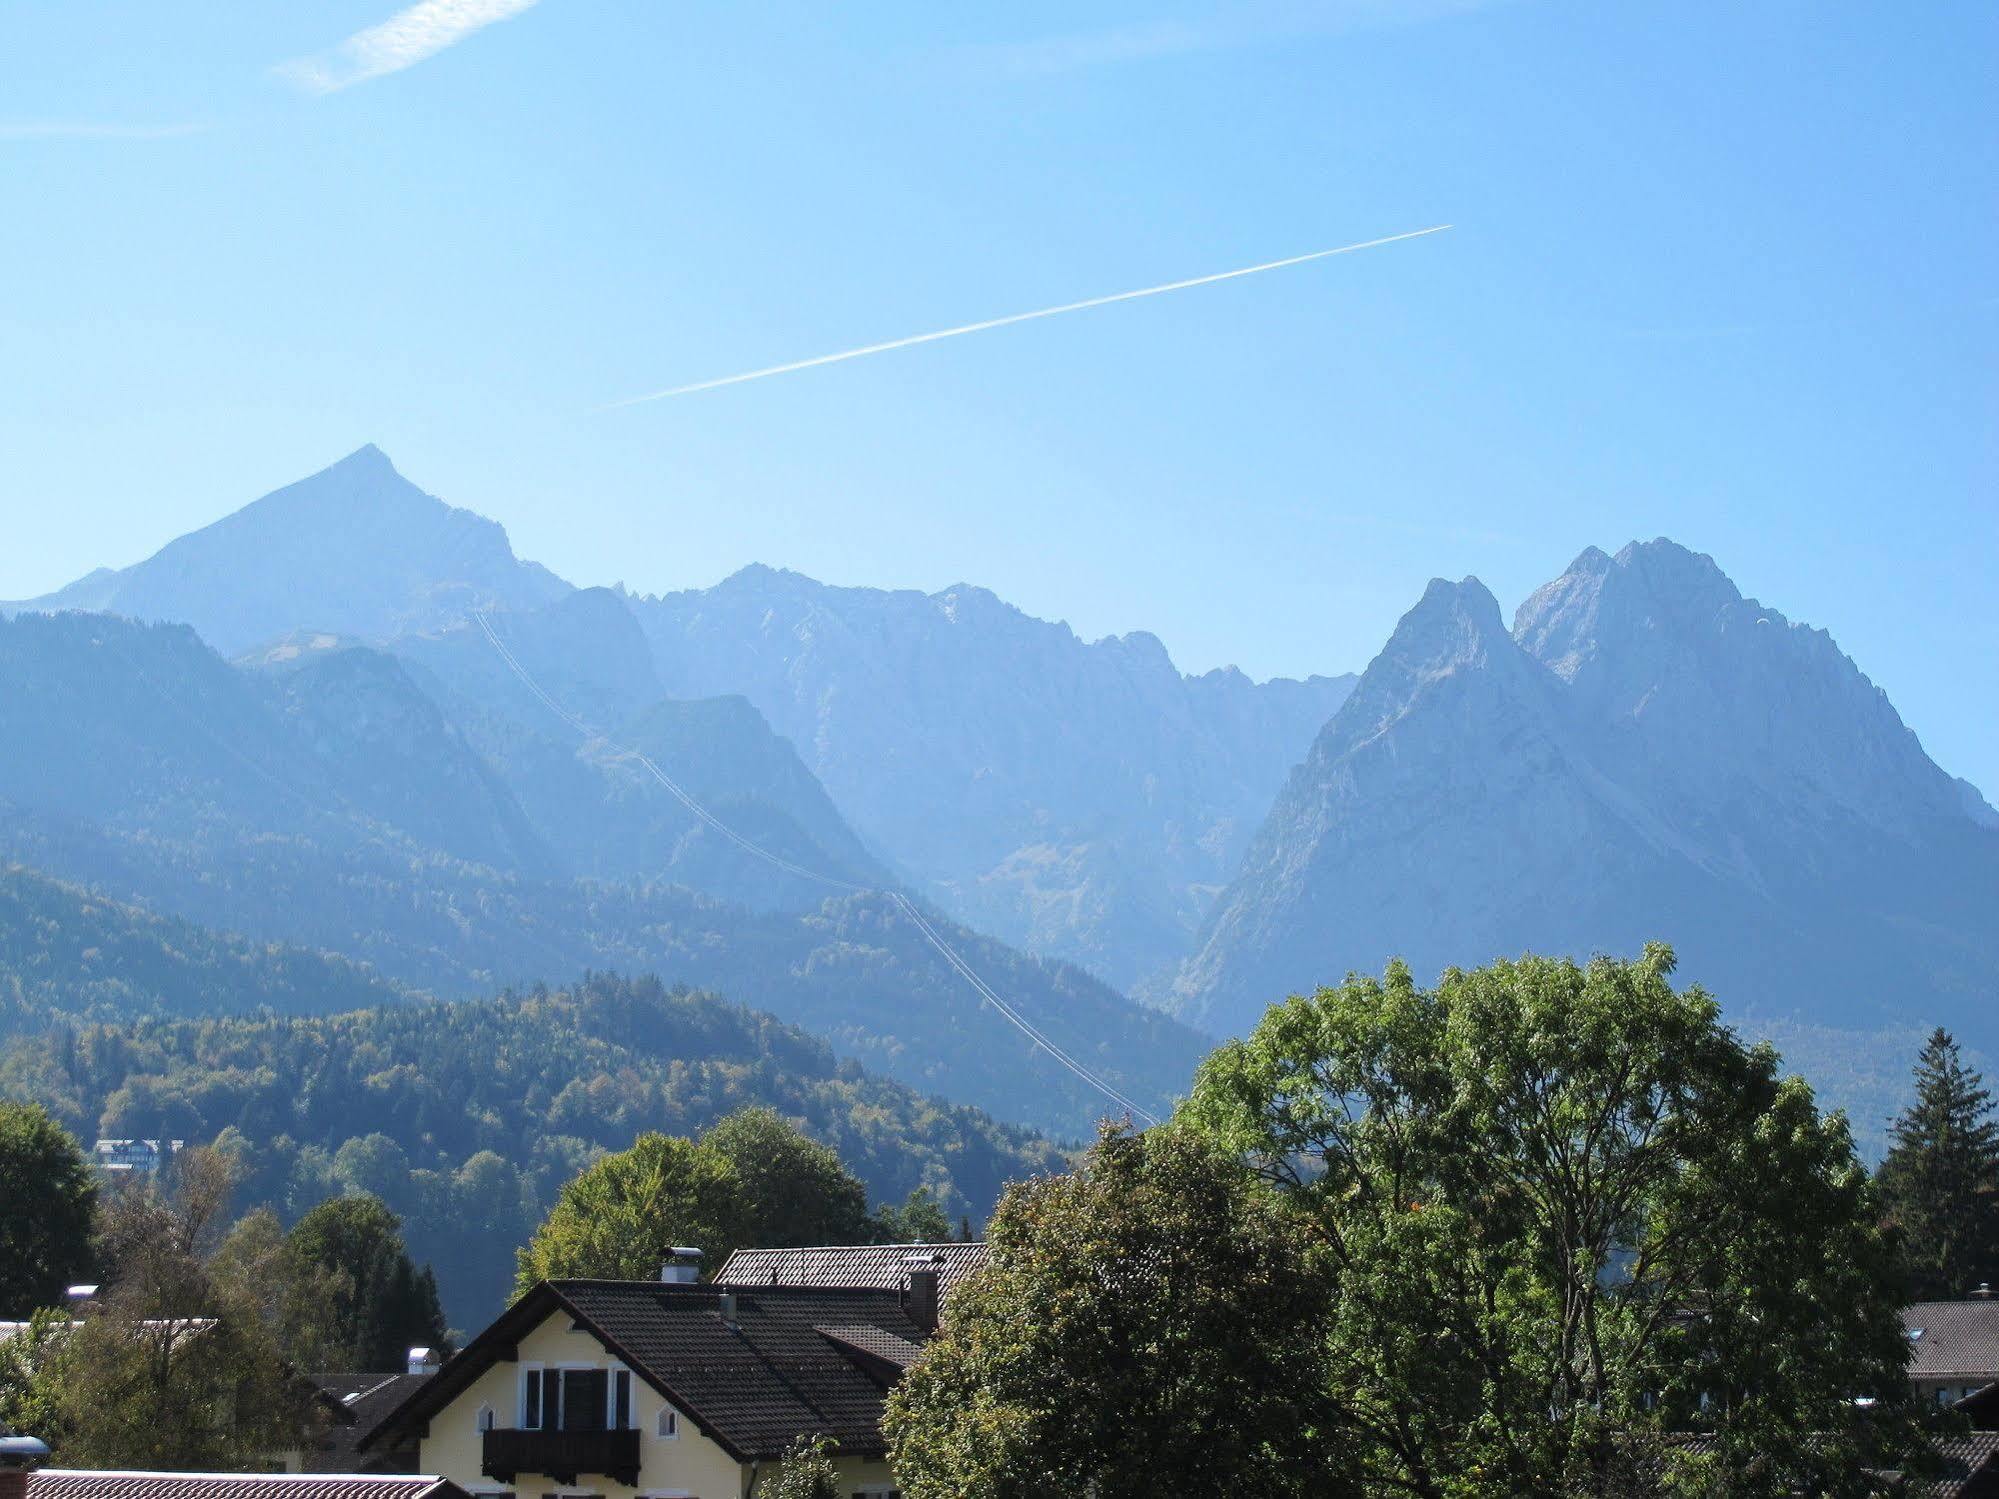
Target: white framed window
(484, 1420)
(666, 1425)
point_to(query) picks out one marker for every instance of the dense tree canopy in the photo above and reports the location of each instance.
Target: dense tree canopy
(47, 1198)
(617, 1220)
(382, 1305)
(1940, 1181)
(1152, 1323)
(798, 1191)
(1569, 1215)
(467, 1118)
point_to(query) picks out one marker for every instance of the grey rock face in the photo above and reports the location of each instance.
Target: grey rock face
(1084, 800)
(1647, 754)
(355, 549)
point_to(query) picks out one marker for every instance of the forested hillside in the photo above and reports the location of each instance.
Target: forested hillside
(332, 805)
(66, 953)
(466, 1118)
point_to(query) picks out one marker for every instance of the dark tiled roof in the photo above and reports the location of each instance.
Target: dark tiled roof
(875, 1342)
(753, 1383)
(1959, 1340)
(1970, 1467)
(56, 1483)
(881, 1267)
(357, 1402)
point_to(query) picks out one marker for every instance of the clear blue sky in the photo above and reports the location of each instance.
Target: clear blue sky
(1723, 272)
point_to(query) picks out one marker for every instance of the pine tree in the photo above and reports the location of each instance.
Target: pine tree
(1940, 1181)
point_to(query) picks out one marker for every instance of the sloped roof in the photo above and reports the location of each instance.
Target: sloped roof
(752, 1383)
(61, 1483)
(881, 1267)
(358, 1402)
(1953, 1340)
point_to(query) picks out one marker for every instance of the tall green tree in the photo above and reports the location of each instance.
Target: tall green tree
(47, 1201)
(1940, 1180)
(1572, 1217)
(1152, 1323)
(619, 1217)
(797, 1190)
(382, 1304)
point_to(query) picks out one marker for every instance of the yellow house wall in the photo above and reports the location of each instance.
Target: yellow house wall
(689, 1464)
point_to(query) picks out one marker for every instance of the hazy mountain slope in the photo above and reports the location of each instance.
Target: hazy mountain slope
(1648, 755)
(355, 549)
(66, 953)
(1079, 799)
(608, 816)
(143, 730)
(328, 803)
(467, 1118)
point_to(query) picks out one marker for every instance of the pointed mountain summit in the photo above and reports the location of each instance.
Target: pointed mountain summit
(355, 549)
(1648, 754)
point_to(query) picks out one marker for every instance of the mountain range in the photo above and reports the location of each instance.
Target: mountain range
(386, 737)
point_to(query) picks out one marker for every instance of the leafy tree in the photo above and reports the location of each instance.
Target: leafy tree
(807, 1472)
(297, 1300)
(1940, 1180)
(1571, 1214)
(382, 1304)
(31, 1377)
(919, 1220)
(175, 1368)
(619, 1217)
(47, 1198)
(1151, 1323)
(798, 1192)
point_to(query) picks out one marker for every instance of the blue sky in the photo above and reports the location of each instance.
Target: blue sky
(1723, 272)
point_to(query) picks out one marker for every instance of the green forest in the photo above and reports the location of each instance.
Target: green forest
(467, 1117)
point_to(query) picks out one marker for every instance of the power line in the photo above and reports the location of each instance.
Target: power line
(984, 990)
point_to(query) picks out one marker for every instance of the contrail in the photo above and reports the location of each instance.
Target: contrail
(1018, 317)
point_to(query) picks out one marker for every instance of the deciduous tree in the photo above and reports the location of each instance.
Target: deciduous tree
(796, 1189)
(1151, 1323)
(1572, 1218)
(47, 1199)
(382, 1304)
(620, 1216)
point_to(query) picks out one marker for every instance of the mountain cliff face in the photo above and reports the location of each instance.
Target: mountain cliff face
(1646, 754)
(1082, 800)
(356, 549)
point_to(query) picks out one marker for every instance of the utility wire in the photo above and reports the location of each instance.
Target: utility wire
(902, 902)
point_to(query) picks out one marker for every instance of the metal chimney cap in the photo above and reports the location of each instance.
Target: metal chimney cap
(685, 1252)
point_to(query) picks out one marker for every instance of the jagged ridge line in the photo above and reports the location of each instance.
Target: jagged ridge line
(979, 986)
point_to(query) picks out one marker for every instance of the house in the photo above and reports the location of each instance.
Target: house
(1953, 1346)
(667, 1389)
(353, 1405)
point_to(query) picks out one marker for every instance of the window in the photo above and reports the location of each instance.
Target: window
(667, 1424)
(621, 1399)
(584, 1393)
(531, 1400)
(484, 1420)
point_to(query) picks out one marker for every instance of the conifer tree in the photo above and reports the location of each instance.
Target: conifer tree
(1940, 1181)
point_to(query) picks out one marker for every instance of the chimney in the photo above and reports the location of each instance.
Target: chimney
(19, 1456)
(925, 1272)
(1984, 1291)
(682, 1267)
(727, 1309)
(424, 1361)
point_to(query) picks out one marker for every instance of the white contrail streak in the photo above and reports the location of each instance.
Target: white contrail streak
(1018, 317)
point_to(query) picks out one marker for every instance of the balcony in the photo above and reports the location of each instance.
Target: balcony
(564, 1456)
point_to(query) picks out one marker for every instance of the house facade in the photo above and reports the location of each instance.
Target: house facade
(591, 1389)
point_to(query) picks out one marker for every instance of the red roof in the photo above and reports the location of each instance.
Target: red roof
(64, 1483)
